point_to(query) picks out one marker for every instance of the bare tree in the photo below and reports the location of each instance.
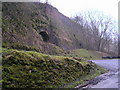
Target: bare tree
(97, 29)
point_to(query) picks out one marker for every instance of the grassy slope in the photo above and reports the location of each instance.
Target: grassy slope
(22, 22)
(85, 54)
(23, 69)
(48, 48)
(35, 70)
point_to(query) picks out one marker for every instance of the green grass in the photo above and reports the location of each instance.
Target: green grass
(20, 46)
(84, 54)
(52, 49)
(23, 69)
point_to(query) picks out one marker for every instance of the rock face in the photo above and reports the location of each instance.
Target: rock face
(40, 26)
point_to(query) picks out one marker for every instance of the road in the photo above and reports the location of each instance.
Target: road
(110, 79)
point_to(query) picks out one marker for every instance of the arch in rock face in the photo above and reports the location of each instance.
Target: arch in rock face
(44, 36)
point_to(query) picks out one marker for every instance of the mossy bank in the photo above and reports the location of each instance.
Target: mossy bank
(30, 69)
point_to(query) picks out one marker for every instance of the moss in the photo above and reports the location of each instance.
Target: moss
(22, 69)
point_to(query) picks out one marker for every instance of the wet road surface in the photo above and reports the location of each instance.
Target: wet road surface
(110, 79)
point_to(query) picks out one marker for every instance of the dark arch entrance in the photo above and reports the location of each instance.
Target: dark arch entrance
(44, 35)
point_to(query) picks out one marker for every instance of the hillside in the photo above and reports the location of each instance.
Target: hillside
(86, 54)
(28, 69)
(41, 48)
(39, 27)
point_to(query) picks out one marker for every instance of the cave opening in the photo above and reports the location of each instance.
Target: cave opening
(45, 36)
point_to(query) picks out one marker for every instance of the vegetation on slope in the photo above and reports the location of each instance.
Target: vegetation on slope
(22, 22)
(47, 48)
(85, 54)
(29, 69)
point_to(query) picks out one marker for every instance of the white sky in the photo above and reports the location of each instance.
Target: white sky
(72, 7)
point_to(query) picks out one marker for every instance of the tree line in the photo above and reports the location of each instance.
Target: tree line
(99, 31)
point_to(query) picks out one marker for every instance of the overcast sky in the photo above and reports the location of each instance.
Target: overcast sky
(72, 7)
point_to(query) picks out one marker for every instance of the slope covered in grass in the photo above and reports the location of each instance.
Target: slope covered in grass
(85, 54)
(29, 69)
